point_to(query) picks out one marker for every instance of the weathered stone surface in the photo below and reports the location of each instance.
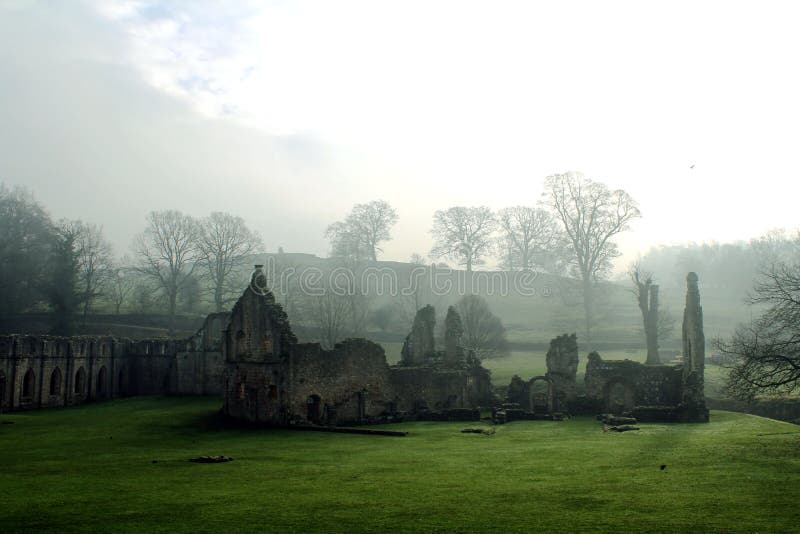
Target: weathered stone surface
(47, 371)
(655, 392)
(419, 345)
(453, 330)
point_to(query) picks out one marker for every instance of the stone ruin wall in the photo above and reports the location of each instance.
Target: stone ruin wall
(352, 383)
(49, 371)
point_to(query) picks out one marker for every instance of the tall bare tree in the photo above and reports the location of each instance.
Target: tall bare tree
(483, 332)
(95, 265)
(591, 215)
(167, 252)
(224, 242)
(528, 234)
(646, 293)
(359, 235)
(120, 284)
(463, 234)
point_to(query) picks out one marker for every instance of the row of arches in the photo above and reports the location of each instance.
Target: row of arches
(56, 383)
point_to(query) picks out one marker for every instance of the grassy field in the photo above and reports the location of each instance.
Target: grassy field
(92, 468)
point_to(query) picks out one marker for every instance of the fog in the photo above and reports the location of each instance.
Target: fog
(288, 114)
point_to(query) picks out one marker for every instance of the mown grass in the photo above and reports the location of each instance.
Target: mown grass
(91, 468)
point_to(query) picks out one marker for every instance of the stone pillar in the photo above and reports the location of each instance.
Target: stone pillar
(453, 330)
(694, 354)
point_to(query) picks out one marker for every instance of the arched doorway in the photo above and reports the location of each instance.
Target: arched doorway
(313, 405)
(28, 385)
(619, 397)
(55, 382)
(102, 383)
(80, 382)
(541, 395)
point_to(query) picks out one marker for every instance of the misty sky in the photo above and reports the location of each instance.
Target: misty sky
(287, 113)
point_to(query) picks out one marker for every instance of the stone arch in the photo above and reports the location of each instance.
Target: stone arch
(55, 382)
(80, 382)
(2, 389)
(28, 385)
(618, 396)
(541, 400)
(101, 389)
(313, 408)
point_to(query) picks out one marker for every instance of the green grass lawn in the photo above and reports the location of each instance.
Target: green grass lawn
(91, 468)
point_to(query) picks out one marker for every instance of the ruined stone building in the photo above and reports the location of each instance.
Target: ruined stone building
(647, 392)
(48, 371)
(271, 378)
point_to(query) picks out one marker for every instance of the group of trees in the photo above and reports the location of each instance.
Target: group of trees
(571, 231)
(67, 266)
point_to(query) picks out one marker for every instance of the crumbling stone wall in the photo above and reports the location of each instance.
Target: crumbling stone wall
(419, 344)
(655, 392)
(66, 371)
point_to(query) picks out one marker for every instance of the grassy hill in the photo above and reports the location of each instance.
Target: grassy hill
(90, 468)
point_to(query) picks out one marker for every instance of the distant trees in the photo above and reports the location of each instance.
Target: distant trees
(463, 234)
(223, 243)
(358, 237)
(95, 264)
(484, 333)
(62, 289)
(528, 235)
(26, 240)
(591, 215)
(167, 253)
(766, 352)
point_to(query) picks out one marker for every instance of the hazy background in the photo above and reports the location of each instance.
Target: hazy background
(288, 113)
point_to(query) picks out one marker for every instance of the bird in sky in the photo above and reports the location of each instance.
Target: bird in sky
(691, 166)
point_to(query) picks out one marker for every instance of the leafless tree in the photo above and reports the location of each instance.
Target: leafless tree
(766, 352)
(463, 234)
(591, 215)
(120, 284)
(528, 234)
(95, 264)
(167, 253)
(329, 315)
(359, 235)
(646, 293)
(224, 242)
(484, 333)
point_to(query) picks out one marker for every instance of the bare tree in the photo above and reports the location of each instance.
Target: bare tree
(167, 253)
(483, 333)
(463, 234)
(120, 285)
(224, 242)
(528, 234)
(95, 265)
(359, 235)
(646, 293)
(766, 352)
(329, 314)
(591, 215)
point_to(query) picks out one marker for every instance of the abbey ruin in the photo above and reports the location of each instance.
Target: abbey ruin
(251, 358)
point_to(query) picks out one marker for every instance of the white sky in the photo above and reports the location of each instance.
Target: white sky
(287, 113)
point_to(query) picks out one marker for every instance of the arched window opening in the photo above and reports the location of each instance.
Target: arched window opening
(80, 382)
(55, 382)
(102, 377)
(28, 384)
